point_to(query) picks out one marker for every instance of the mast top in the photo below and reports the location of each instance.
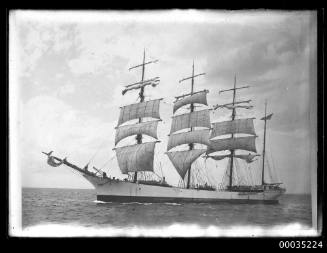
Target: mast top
(192, 76)
(234, 104)
(144, 63)
(238, 88)
(141, 84)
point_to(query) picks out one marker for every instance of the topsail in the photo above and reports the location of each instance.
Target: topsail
(149, 128)
(238, 126)
(197, 136)
(199, 97)
(139, 110)
(193, 119)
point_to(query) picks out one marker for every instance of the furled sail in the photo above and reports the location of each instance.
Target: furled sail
(148, 128)
(218, 157)
(53, 161)
(200, 98)
(238, 126)
(193, 119)
(248, 158)
(197, 136)
(231, 107)
(138, 157)
(244, 143)
(140, 110)
(182, 160)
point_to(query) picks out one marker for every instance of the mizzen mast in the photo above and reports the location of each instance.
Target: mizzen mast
(234, 126)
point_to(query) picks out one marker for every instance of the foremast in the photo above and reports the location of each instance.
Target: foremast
(182, 160)
(141, 96)
(234, 126)
(138, 157)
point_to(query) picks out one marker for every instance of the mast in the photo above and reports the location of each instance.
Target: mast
(232, 152)
(182, 160)
(264, 146)
(233, 126)
(141, 96)
(191, 145)
(138, 111)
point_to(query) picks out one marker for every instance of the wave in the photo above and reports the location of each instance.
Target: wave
(150, 203)
(100, 202)
(172, 204)
(139, 203)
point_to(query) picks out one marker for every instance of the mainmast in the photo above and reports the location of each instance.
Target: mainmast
(128, 157)
(244, 126)
(182, 160)
(191, 145)
(232, 152)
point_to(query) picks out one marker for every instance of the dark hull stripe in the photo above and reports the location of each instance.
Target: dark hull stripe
(115, 198)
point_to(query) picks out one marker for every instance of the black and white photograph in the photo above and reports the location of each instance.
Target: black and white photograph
(163, 123)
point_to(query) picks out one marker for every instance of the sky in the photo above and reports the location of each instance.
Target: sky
(68, 68)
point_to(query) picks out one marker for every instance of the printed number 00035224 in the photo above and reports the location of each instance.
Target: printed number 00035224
(300, 244)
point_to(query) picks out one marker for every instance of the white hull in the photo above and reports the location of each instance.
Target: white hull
(123, 191)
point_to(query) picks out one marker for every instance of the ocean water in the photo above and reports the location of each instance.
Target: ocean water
(79, 206)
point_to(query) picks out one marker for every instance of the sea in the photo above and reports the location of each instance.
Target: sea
(79, 207)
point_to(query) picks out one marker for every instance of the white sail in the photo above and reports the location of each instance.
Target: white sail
(244, 143)
(197, 136)
(200, 98)
(238, 126)
(182, 160)
(138, 157)
(139, 110)
(193, 119)
(148, 128)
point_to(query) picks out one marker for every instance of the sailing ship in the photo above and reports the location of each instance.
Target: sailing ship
(192, 129)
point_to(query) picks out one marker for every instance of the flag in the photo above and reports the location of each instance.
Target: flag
(268, 117)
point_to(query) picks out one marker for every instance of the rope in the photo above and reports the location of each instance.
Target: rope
(208, 175)
(96, 151)
(274, 167)
(167, 103)
(107, 162)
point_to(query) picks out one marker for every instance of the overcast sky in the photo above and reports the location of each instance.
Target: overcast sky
(67, 71)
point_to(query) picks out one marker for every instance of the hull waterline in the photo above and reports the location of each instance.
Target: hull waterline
(110, 190)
